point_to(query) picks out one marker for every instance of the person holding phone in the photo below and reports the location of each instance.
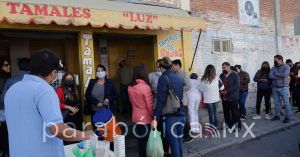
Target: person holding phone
(69, 101)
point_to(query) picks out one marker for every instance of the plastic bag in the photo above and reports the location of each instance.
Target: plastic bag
(154, 145)
(85, 153)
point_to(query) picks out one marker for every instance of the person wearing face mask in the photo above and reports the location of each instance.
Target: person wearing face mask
(58, 80)
(264, 90)
(153, 80)
(292, 84)
(244, 80)
(297, 87)
(173, 124)
(279, 75)
(69, 101)
(101, 91)
(230, 96)
(34, 120)
(4, 75)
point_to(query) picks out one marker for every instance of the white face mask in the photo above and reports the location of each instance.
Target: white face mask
(101, 74)
(55, 79)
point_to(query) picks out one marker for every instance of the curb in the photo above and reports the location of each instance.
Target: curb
(232, 144)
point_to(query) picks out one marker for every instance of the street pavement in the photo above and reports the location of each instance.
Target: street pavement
(284, 143)
(205, 146)
(222, 140)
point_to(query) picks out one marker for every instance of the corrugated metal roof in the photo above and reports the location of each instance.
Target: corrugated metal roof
(111, 5)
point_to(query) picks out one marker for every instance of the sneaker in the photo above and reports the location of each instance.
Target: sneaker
(188, 139)
(257, 117)
(286, 120)
(195, 134)
(268, 117)
(243, 117)
(275, 118)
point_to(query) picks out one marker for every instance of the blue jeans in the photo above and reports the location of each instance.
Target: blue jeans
(282, 94)
(212, 113)
(242, 102)
(174, 132)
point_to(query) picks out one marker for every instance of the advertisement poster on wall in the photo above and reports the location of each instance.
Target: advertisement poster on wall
(170, 45)
(249, 12)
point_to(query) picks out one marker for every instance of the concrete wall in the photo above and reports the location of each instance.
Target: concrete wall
(251, 46)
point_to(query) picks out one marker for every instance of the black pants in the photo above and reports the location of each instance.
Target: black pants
(4, 139)
(231, 113)
(266, 94)
(142, 133)
(161, 128)
(297, 95)
(124, 98)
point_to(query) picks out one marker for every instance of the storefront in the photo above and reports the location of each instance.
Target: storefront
(101, 35)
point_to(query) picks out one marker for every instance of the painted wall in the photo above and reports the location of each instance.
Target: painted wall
(251, 46)
(135, 51)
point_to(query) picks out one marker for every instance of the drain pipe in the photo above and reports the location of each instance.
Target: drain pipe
(190, 69)
(278, 27)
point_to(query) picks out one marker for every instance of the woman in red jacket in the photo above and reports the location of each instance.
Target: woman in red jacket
(69, 101)
(140, 95)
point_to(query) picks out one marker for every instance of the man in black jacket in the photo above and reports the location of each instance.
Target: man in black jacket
(230, 96)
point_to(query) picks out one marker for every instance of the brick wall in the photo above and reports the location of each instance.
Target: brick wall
(251, 46)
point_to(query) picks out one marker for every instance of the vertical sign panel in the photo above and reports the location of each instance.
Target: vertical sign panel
(86, 58)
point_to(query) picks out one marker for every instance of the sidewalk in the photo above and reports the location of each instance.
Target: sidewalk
(204, 146)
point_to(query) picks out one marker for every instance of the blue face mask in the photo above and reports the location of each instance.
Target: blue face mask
(101, 74)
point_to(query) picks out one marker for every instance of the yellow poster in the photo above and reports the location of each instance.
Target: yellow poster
(86, 57)
(169, 44)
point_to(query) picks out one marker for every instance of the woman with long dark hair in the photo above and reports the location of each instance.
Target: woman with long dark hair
(69, 101)
(211, 86)
(264, 89)
(140, 95)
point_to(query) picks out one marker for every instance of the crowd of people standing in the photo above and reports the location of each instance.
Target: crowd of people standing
(143, 95)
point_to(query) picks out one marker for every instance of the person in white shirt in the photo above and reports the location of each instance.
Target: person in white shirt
(211, 86)
(194, 99)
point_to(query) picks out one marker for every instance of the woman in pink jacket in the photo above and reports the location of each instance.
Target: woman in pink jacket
(140, 95)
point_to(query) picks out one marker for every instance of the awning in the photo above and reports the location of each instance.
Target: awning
(80, 15)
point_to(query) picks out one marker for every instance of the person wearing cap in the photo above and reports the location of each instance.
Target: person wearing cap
(34, 120)
(125, 74)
